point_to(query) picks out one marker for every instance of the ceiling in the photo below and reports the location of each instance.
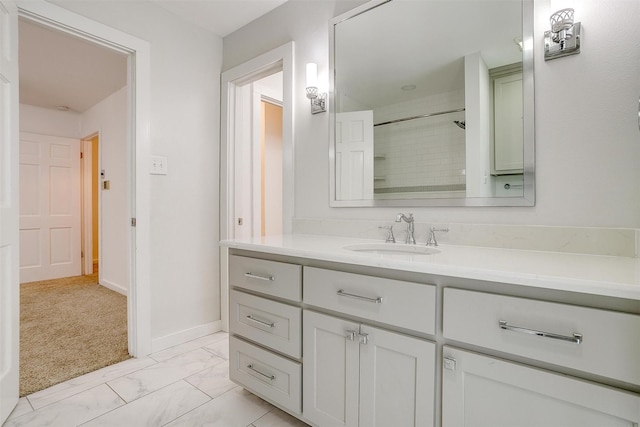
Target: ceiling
(61, 71)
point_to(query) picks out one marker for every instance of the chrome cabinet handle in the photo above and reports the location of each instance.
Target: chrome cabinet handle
(342, 293)
(269, 377)
(576, 338)
(261, 322)
(260, 277)
(351, 335)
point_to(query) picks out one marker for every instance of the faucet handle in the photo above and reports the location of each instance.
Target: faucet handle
(390, 237)
(431, 241)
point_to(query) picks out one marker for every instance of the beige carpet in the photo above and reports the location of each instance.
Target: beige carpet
(69, 327)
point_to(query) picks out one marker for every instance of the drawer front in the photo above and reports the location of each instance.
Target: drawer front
(267, 322)
(394, 302)
(609, 342)
(268, 277)
(267, 374)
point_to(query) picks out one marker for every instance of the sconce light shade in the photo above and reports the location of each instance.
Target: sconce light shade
(564, 37)
(318, 100)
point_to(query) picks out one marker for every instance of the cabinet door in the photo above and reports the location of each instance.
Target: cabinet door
(508, 154)
(330, 370)
(481, 391)
(397, 379)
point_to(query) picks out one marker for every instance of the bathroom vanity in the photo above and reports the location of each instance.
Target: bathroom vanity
(341, 332)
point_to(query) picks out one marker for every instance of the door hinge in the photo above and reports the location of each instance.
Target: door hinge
(81, 155)
(133, 222)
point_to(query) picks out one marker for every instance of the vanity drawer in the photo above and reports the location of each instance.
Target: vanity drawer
(609, 341)
(273, 377)
(404, 304)
(268, 277)
(266, 322)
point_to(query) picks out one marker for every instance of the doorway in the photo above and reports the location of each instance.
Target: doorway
(233, 80)
(62, 300)
(258, 157)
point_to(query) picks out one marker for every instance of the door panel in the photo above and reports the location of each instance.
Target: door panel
(397, 377)
(50, 245)
(482, 391)
(330, 370)
(9, 209)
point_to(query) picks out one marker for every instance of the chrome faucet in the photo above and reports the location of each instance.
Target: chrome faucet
(431, 241)
(409, 220)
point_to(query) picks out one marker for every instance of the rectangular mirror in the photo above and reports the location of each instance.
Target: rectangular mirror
(431, 104)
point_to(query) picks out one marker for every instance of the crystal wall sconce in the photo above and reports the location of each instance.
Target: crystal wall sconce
(318, 100)
(564, 37)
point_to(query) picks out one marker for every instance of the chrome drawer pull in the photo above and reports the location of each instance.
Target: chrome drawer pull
(261, 322)
(269, 377)
(342, 293)
(258, 276)
(576, 338)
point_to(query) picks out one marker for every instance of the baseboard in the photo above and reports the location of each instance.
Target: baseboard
(114, 287)
(161, 343)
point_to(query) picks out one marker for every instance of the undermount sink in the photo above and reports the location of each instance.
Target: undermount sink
(392, 249)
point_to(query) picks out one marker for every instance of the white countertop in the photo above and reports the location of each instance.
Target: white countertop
(590, 274)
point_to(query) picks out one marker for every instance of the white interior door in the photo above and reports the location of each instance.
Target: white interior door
(50, 232)
(354, 155)
(9, 240)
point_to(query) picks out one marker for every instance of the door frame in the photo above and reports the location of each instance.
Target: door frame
(87, 201)
(139, 91)
(280, 58)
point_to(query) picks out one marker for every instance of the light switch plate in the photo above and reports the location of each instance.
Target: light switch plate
(158, 165)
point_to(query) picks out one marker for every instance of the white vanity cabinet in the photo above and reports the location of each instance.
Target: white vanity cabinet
(344, 344)
(480, 390)
(355, 374)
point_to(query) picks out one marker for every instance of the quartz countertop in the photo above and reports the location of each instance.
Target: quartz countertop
(590, 274)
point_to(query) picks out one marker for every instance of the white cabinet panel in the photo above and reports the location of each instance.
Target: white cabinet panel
(358, 375)
(266, 322)
(267, 277)
(330, 370)
(405, 304)
(481, 391)
(272, 376)
(610, 343)
(397, 380)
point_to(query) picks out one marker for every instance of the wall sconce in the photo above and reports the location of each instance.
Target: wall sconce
(318, 100)
(564, 37)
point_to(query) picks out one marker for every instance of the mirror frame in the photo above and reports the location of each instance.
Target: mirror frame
(528, 197)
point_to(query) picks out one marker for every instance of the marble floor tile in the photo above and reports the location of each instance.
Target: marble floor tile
(236, 408)
(220, 348)
(278, 418)
(71, 411)
(140, 383)
(213, 381)
(189, 346)
(63, 390)
(21, 408)
(154, 409)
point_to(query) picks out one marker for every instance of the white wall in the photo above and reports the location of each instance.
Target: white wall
(587, 139)
(109, 118)
(185, 98)
(46, 121)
